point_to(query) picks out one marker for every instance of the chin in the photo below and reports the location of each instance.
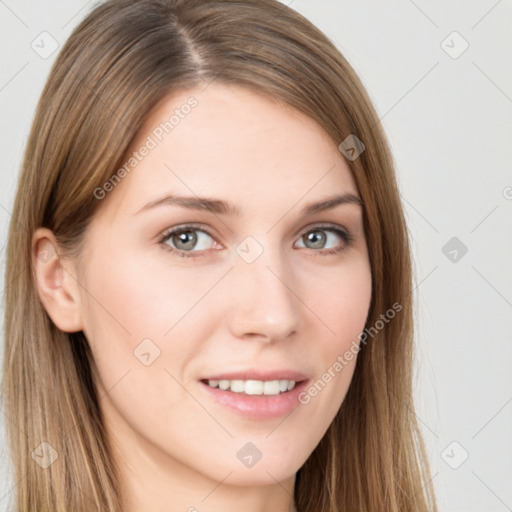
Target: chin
(253, 467)
(256, 476)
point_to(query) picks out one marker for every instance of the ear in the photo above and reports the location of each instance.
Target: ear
(56, 282)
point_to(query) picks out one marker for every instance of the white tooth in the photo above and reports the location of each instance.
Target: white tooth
(238, 386)
(271, 387)
(253, 387)
(223, 384)
(283, 386)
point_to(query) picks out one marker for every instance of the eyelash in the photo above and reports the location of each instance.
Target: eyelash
(347, 238)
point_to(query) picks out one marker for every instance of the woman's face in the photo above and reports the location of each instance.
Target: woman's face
(180, 293)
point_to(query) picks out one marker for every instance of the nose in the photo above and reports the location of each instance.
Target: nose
(263, 304)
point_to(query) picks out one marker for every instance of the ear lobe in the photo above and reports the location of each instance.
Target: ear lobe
(56, 285)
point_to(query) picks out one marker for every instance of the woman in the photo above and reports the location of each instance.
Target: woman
(208, 301)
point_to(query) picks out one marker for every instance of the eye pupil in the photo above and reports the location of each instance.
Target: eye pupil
(188, 238)
(317, 238)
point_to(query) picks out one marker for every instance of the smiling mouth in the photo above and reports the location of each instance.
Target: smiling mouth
(252, 387)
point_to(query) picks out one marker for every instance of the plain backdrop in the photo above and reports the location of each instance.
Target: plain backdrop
(441, 81)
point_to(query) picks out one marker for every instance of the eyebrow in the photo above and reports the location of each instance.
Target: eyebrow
(221, 207)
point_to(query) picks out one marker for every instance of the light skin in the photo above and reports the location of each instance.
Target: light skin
(295, 306)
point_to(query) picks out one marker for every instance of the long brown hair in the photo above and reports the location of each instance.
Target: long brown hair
(123, 59)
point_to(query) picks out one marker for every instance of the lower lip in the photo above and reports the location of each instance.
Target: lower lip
(258, 407)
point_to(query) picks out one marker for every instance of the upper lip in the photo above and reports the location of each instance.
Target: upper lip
(253, 374)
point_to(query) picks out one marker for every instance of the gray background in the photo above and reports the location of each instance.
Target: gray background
(448, 117)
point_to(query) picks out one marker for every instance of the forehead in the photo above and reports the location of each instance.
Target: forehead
(232, 143)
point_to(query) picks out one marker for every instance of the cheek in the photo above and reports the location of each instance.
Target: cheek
(139, 324)
(145, 322)
(138, 299)
(342, 304)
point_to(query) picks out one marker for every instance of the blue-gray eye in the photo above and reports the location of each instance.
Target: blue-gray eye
(186, 239)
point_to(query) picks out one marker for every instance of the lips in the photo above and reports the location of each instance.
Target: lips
(256, 394)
